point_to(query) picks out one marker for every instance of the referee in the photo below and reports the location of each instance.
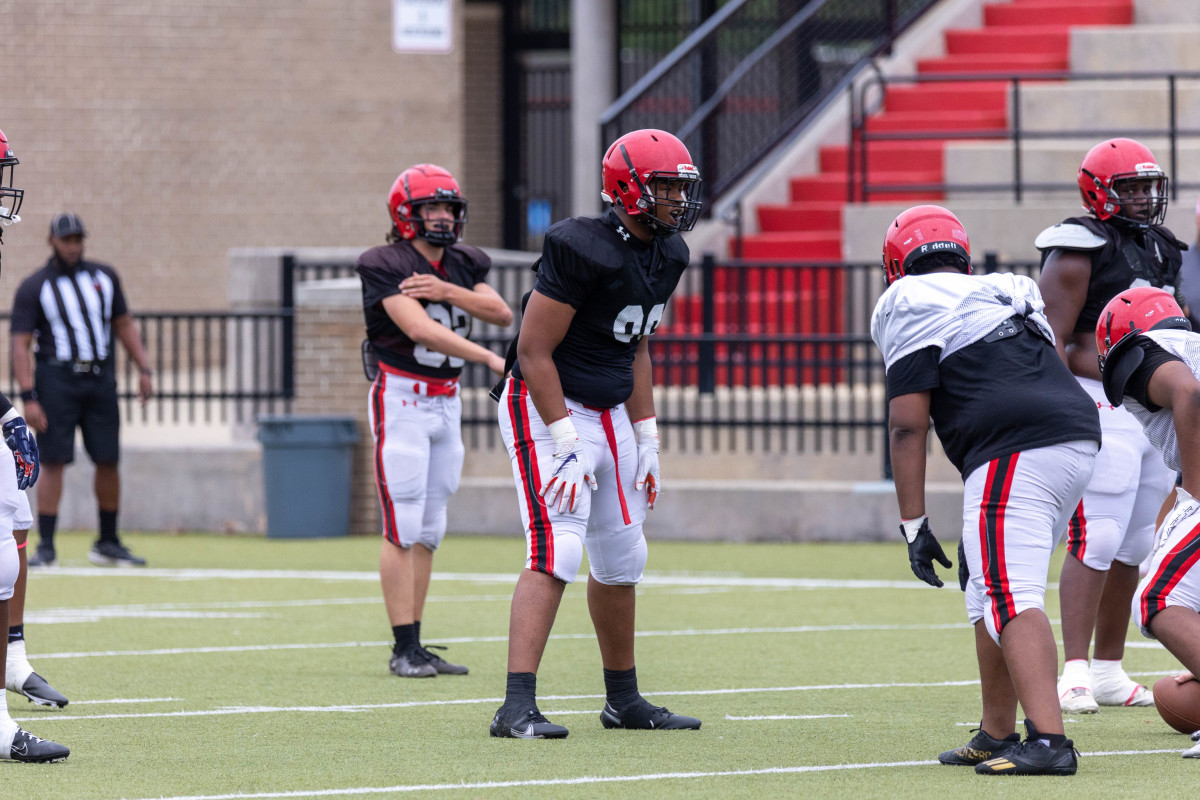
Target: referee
(71, 308)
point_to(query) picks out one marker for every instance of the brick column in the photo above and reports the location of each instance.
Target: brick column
(330, 381)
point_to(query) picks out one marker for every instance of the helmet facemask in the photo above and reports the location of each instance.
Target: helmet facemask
(1138, 208)
(10, 197)
(677, 191)
(442, 233)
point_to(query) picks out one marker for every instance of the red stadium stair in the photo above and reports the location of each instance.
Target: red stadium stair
(1028, 36)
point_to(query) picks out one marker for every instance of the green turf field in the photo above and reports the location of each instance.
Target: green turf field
(239, 667)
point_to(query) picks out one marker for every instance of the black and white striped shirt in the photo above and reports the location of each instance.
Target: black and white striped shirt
(70, 311)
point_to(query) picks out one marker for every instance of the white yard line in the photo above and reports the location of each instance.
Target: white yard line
(590, 779)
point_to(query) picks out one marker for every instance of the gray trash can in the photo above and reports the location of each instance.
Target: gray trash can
(307, 463)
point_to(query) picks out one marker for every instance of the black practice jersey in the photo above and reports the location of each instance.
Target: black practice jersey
(383, 268)
(994, 398)
(1129, 257)
(619, 287)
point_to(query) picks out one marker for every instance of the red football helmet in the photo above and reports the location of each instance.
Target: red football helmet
(1109, 175)
(1133, 311)
(639, 159)
(10, 196)
(921, 231)
(420, 184)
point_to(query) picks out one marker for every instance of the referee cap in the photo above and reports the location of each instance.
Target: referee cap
(64, 225)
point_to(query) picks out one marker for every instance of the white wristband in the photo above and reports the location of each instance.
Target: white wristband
(10, 416)
(912, 527)
(646, 431)
(565, 437)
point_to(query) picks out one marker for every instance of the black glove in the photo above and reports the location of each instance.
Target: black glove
(964, 574)
(25, 451)
(923, 550)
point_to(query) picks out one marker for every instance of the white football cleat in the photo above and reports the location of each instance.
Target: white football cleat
(1126, 693)
(1194, 750)
(1077, 700)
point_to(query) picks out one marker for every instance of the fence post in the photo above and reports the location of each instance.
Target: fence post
(707, 368)
(287, 302)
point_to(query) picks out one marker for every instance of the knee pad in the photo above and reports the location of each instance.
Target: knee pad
(564, 560)
(1095, 542)
(10, 565)
(433, 528)
(618, 558)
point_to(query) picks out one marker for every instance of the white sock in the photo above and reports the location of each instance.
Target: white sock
(1108, 671)
(1075, 672)
(18, 669)
(8, 729)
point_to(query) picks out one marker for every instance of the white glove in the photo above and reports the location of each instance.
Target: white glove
(646, 431)
(565, 484)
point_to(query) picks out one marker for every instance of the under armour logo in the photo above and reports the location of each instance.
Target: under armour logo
(624, 233)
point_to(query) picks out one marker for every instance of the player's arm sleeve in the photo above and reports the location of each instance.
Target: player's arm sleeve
(25, 308)
(563, 274)
(1138, 386)
(915, 372)
(379, 280)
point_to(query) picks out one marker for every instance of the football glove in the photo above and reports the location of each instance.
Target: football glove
(923, 550)
(25, 451)
(646, 431)
(964, 574)
(565, 485)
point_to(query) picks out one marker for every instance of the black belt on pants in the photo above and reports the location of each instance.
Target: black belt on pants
(77, 366)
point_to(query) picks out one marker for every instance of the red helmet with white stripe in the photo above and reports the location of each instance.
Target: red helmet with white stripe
(1133, 311)
(650, 169)
(1120, 179)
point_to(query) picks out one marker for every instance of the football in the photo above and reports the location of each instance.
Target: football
(1178, 703)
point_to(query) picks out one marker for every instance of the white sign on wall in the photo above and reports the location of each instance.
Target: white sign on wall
(422, 26)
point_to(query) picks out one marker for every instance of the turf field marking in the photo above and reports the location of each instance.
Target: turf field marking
(590, 779)
(359, 707)
(787, 716)
(124, 700)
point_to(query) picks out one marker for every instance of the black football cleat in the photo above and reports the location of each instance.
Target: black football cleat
(30, 749)
(524, 723)
(43, 694)
(1031, 757)
(412, 663)
(644, 717)
(980, 748)
(440, 664)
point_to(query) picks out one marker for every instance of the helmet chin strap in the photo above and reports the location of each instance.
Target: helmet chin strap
(6, 221)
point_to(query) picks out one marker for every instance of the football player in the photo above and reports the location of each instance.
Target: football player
(15, 744)
(421, 292)
(976, 354)
(1086, 261)
(578, 417)
(1150, 361)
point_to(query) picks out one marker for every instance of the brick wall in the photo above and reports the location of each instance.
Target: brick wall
(179, 129)
(483, 121)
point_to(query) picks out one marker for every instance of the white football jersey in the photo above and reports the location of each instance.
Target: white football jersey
(1160, 425)
(950, 310)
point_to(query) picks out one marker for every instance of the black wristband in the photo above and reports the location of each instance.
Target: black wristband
(29, 396)
(145, 370)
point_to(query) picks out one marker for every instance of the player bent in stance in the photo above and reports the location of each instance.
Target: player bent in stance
(18, 470)
(1150, 361)
(577, 415)
(420, 293)
(1086, 261)
(976, 354)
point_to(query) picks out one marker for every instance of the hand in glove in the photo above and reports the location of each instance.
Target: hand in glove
(564, 486)
(646, 431)
(25, 451)
(923, 550)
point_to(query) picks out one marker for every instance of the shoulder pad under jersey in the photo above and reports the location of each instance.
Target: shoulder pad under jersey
(1069, 236)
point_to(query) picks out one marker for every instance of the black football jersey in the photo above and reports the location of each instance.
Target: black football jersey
(1129, 257)
(383, 268)
(619, 287)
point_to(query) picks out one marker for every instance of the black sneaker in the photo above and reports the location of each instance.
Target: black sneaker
(43, 694)
(645, 717)
(114, 554)
(524, 723)
(440, 664)
(30, 749)
(43, 557)
(412, 663)
(980, 748)
(1031, 757)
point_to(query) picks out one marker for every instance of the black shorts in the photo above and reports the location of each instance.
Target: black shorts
(84, 400)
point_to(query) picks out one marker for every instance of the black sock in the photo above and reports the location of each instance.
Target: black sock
(417, 631)
(620, 687)
(108, 526)
(46, 524)
(406, 637)
(16, 633)
(521, 689)
(1056, 740)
